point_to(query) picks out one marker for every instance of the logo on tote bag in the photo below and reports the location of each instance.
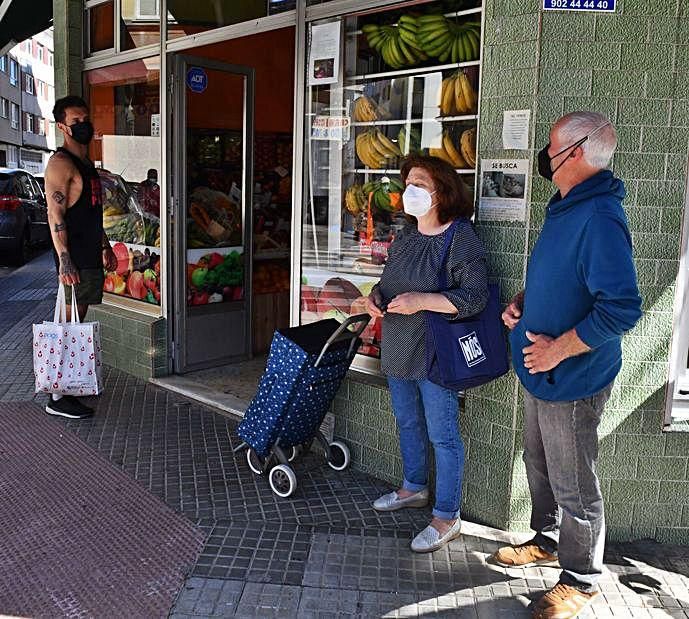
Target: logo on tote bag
(471, 349)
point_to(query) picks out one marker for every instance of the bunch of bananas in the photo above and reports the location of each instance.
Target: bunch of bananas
(376, 150)
(457, 95)
(409, 141)
(398, 51)
(365, 109)
(386, 194)
(447, 41)
(355, 199)
(462, 157)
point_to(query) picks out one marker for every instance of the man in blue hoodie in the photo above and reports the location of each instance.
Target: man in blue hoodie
(580, 297)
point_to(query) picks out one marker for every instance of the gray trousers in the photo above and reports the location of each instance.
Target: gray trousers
(560, 452)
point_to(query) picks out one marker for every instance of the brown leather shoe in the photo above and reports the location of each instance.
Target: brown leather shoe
(527, 554)
(562, 602)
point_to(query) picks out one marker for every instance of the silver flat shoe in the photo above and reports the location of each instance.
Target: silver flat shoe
(391, 502)
(430, 539)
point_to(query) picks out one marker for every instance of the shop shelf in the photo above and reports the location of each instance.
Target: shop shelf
(413, 121)
(372, 171)
(413, 71)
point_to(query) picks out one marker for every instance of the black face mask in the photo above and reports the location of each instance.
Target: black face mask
(545, 160)
(82, 131)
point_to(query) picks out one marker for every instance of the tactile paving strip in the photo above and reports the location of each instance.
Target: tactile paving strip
(80, 537)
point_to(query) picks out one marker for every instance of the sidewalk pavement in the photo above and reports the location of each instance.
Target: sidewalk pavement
(323, 552)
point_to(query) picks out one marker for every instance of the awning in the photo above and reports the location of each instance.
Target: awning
(20, 20)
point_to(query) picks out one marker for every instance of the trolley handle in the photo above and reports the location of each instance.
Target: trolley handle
(344, 333)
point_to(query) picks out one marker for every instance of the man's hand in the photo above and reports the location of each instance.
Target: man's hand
(407, 303)
(69, 274)
(373, 303)
(109, 259)
(543, 355)
(513, 312)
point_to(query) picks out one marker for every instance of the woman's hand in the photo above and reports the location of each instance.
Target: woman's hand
(513, 312)
(373, 303)
(407, 303)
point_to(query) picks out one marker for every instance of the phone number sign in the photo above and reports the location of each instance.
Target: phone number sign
(599, 6)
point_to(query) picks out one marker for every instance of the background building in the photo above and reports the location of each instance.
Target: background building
(27, 96)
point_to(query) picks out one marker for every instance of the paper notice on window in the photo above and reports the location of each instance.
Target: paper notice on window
(503, 189)
(515, 129)
(324, 56)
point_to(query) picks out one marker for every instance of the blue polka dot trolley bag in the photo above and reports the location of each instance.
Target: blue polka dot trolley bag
(304, 370)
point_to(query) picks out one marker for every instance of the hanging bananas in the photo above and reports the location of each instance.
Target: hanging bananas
(375, 150)
(365, 109)
(441, 38)
(386, 193)
(409, 142)
(355, 200)
(457, 95)
(460, 158)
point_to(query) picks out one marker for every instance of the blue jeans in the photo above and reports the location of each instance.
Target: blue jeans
(424, 411)
(560, 452)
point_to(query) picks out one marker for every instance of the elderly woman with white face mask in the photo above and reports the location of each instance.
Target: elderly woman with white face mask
(436, 200)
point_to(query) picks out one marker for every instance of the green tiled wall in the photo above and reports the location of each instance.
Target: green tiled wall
(633, 66)
(132, 342)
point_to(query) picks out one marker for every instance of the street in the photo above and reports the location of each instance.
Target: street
(144, 511)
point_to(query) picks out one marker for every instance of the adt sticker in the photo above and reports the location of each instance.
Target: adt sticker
(197, 80)
(601, 6)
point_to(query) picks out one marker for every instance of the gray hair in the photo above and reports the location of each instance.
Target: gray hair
(602, 141)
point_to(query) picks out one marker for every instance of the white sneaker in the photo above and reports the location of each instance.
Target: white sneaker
(391, 502)
(430, 539)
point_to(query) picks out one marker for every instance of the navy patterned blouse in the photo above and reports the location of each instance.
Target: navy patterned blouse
(412, 266)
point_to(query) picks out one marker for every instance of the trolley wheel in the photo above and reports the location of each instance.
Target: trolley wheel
(282, 480)
(254, 461)
(339, 456)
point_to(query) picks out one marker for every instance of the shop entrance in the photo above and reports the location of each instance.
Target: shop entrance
(213, 142)
(232, 109)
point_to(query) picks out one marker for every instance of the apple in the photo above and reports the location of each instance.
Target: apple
(122, 254)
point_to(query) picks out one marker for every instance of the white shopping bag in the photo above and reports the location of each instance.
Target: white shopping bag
(67, 355)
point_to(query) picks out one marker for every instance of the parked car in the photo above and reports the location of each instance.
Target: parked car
(23, 214)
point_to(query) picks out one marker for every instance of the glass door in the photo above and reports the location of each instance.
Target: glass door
(212, 112)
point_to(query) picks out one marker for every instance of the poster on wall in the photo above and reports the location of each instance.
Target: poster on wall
(503, 189)
(324, 59)
(515, 129)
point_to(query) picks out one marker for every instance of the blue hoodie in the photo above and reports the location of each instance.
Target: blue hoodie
(581, 275)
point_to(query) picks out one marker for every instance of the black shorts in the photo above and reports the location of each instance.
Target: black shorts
(89, 290)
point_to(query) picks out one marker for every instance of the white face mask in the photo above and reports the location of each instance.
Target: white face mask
(417, 201)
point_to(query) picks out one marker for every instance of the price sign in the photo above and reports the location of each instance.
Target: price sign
(599, 6)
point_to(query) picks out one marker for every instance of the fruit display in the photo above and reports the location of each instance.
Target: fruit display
(376, 150)
(385, 194)
(458, 95)
(365, 110)
(355, 200)
(136, 275)
(409, 140)
(214, 220)
(460, 157)
(270, 277)
(416, 38)
(215, 278)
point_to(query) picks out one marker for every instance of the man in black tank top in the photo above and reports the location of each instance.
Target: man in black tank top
(75, 215)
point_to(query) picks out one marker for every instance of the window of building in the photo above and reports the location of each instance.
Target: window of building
(3, 63)
(28, 123)
(14, 116)
(100, 27)
(139, 23)
(14, 72)
(4, 107)
(42, 89)
(40, 52)
(125, 107)
(184, 17)
(50, 58)
(28, 83)
(40, 123)
(12, 154)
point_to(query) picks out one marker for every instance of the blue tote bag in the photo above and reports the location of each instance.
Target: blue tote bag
(469, 352)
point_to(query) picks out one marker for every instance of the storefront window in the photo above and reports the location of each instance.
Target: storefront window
(139, 23)
(100, 21)
(125, 110)
(186, 17)
(380, 86)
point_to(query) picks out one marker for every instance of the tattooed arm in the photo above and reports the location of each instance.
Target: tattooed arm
(58, 180)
